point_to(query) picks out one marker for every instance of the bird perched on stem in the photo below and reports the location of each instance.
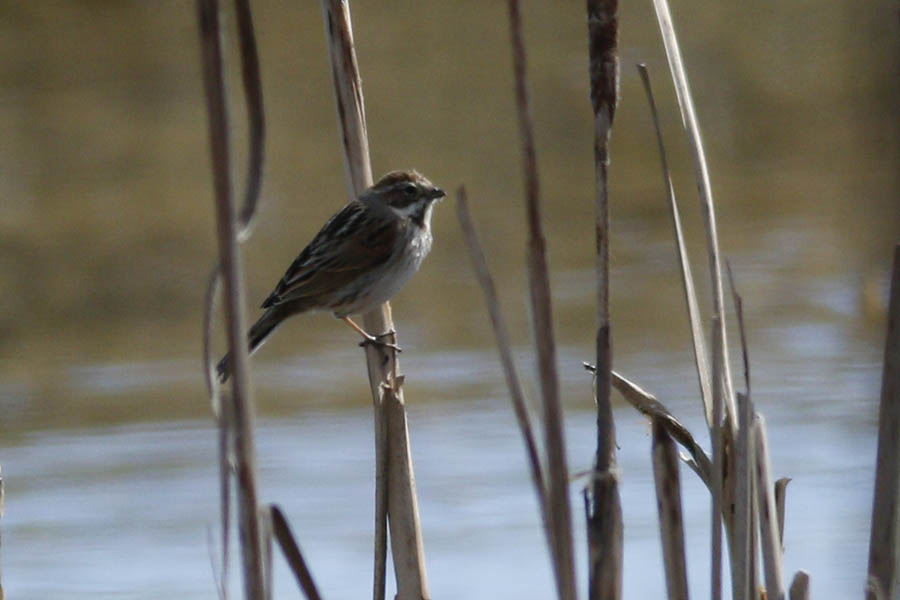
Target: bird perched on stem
(360, 259)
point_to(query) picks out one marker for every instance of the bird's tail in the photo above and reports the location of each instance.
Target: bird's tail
(258, 333)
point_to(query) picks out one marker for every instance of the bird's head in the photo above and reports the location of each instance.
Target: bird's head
(408, 194)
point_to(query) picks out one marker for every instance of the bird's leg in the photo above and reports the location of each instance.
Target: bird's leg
(371, 339)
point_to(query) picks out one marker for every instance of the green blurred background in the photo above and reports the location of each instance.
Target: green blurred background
(106, 224)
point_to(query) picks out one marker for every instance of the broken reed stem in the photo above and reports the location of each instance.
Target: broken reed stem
(647, 404)
(767, 513)
(689, 120)
(780, 499)
(604, 519)
(292, 554)
(668, 503)
(504, 348)
(542, 327)
(227, 230)
(393, 461)
(800, 586)
(701, 361)
(884, 541)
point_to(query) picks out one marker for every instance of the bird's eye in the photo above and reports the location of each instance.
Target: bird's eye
(409, 191)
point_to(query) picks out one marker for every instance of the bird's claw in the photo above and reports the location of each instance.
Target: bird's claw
(375, 340)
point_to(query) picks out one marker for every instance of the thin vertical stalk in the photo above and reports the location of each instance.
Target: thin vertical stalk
(767, 513)
(542, 326)
(884, 542)
(716, 481)
(227, 230)
(668, 503)
(605, 515)
(504, 347)
(743, 549)
(394, 477)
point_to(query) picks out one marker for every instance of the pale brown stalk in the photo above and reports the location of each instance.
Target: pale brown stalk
(395, 490)
(780, 498)
(767, 513)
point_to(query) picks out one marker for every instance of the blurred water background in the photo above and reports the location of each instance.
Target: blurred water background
(106, 239)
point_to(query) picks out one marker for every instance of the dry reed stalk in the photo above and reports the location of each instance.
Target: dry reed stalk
(689, 120)
(766, 512)
(285, 538)
(717, 483)
(743, 549)
(227, 230)
(542, 328)
(884, 542)
(668, 503)
(701, 360)
(394, 471)
(712, 402)
(800, 586)
(221, 407)
(604, 517)
(504, 348)
(265, 526)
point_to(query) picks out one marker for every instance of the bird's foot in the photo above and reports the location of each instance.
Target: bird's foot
(376, 340)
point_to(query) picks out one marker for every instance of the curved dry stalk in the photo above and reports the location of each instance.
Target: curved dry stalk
(255, 115)
(250, 75)
(245, 451)
(687, 278)
(542, 328)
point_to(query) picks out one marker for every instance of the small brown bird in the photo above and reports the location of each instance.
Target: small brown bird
(360, 259)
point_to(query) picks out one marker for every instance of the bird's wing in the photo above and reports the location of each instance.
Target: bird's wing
(351, 243)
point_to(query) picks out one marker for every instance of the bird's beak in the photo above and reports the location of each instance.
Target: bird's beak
(437, 193)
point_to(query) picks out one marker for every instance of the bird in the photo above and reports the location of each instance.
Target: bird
(359, 259)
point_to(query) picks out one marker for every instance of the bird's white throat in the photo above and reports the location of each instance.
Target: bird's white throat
(418, 212)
